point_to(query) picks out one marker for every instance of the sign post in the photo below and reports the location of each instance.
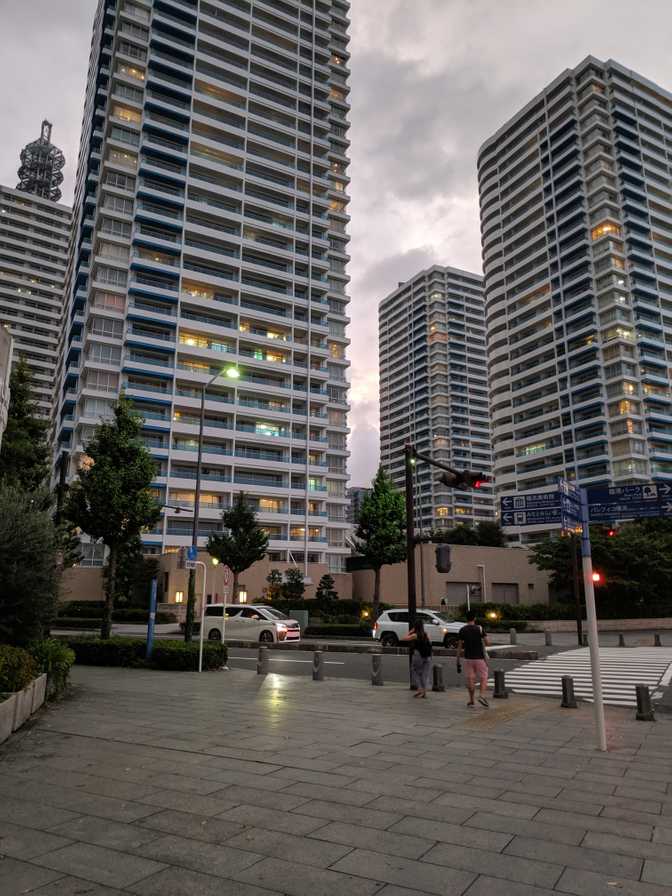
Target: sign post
(591, 616)
(200, 636)
(151, 620)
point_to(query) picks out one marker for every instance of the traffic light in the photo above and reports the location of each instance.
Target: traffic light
(443, 561)
(611, 532)
(597, 578)
(463, 479)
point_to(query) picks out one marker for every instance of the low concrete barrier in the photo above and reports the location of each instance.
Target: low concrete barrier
(18, 707)
(367, 647)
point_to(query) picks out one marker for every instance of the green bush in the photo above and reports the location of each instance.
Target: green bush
(88, 610)
(54, 658)
(17, 668)
(513, 612)
(76, 622)
(361, 630)
(172, 655)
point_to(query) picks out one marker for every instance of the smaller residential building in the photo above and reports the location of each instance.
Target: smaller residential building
(5, 372)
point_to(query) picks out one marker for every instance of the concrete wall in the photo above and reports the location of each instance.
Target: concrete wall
(82, 583)
(504, 574)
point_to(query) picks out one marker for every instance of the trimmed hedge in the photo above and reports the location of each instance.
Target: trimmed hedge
(529, 612)
(54, 658)
(337, 631)
(177, 656)
(17, 668)
(88, 610)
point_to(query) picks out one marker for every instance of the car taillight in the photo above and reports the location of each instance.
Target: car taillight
(375, 626)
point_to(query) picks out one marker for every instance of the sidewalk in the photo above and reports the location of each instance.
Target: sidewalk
(171, 784)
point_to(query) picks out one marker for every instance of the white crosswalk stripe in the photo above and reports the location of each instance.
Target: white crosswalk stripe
(622, 668)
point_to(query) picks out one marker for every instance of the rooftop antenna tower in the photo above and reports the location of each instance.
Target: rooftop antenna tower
(42, 163)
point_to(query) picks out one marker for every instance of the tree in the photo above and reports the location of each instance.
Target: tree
(490, 534)
(111, 501)
(381, 532)
(24, 451)
(274, 587)
(242, 543)
(28, 582)
(134, 575)
(325, 588)
(486, 533)
(293, 587)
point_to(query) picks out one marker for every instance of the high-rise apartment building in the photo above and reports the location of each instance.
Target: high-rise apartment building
(356, 496)
(5, 372)
(433, 390)
(34, 235)
(576, 222)
(210, 233)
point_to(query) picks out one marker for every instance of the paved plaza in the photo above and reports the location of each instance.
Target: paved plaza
(233, 784)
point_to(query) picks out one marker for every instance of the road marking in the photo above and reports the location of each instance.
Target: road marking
(622, 669)
(253, 659)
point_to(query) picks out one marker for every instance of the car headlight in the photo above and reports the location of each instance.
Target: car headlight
(280, 627)
(445, 631)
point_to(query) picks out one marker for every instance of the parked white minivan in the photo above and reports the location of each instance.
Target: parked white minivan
(249, 622)
(392, 625)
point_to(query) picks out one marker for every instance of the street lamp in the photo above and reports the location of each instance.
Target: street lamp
(231, 373)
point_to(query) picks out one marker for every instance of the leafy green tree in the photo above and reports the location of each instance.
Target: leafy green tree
(293, 587)
(274, 587)
(326, 589)
(111, 501)
(24, 451)
(381, 532)
(486, 533)
(28, 581)
(134, 575)
(490, 534)
(243, 541)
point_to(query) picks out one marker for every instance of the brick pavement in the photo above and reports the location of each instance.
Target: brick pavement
(231, 784)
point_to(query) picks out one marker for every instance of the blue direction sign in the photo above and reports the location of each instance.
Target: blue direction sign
(542, 508)
(192, 552)
(630, 502)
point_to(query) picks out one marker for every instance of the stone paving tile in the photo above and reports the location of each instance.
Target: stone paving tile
(556, 833)
(656, 872)
(493, 886)
(627, 846)
(499, 806)
(434, 810)
(526, 871)
(103, 832)
(575, 857)
(587, 806)
(662, 835)
(23, 843)
(630, 816)
(211, 858)
(20, 877)
(592, 823)
(445, 832)
(187, 802)
(282, 876)
(392, 843)
(188, 824)
(366, 816)
(100, 865)
(405, 872)
(182, 882)
(588, 883)
(33, 815)
(301, 850)
(273, 819)
(75, 886)
(235, 795)
(350, 797)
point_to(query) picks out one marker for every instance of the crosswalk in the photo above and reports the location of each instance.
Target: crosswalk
(622, 668)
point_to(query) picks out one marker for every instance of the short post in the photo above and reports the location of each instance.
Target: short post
(644, 708)
(437, 679)
(151, 620)
(500, 692)
(568, 698)
(318, 666)
(584, 639)
(262, 661)
(656, 640)
(513, 636)
(621, 639)
(548, 638)
(377, 669)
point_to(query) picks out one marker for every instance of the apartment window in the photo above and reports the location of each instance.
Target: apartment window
(126, 114)
(104, 326)
(117, 204)
(110, 275)
(124, 136)
(116, 228)
(179, 597)
(131, 50)
(606, 228)
(113, 250)
(104, 354)
(111, 301)
(130, 71)
(98, 407)
(121, 181)
(102, 380)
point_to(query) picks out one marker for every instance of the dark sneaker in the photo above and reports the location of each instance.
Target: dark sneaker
(483, 701)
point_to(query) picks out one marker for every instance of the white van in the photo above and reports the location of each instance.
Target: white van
(250, 622)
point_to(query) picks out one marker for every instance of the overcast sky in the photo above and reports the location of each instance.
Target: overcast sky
(431, 79)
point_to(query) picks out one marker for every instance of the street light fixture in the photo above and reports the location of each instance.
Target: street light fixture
(233, 373)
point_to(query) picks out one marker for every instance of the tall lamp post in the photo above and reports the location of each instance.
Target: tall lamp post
(233, 374)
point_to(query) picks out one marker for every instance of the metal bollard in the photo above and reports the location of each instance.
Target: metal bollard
(656, 640)
(584, 639)
(262, 661)
(500, 691)
(437, 679)
(568, 698)
(644, 708)
(318, 666)
(548, 639)
(513, 636)
(621, 640)
(377, 669)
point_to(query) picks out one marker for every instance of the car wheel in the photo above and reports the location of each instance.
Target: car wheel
(389, 639)
(450, 641)
(214, 635)
(266, 637)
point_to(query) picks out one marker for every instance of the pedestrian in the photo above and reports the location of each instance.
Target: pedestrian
(472, 644)
(421, 657)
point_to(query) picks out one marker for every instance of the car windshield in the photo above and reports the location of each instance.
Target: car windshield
(276, 613)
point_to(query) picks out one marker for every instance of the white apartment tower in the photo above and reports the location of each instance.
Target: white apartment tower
(576, 223)
(210, 233)
(433, 390)
(34, 234)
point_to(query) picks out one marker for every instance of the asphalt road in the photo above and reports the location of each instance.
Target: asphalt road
(351, 665)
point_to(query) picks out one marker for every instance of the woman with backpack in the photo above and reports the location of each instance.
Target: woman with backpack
(421, 658)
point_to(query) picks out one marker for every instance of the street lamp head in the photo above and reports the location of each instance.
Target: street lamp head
(232, 373)
(215, 561)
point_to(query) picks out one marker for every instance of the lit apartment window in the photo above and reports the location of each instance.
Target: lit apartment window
(442, 511)
(179, 597)
(606, 228)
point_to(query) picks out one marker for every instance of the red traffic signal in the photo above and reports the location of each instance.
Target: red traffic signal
(597, 578)
(611, 533)
(463, 479)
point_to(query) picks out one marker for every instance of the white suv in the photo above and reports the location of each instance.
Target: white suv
(392, 625)
(249, 622)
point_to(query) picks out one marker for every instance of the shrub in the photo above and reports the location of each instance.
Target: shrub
(17, 668)
(90, 617)
(76, 622)
(88, 609)
(168, 655)
(54, 658)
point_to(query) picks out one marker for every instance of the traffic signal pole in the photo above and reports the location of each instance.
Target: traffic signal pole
(409, 457)
(591, 618)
